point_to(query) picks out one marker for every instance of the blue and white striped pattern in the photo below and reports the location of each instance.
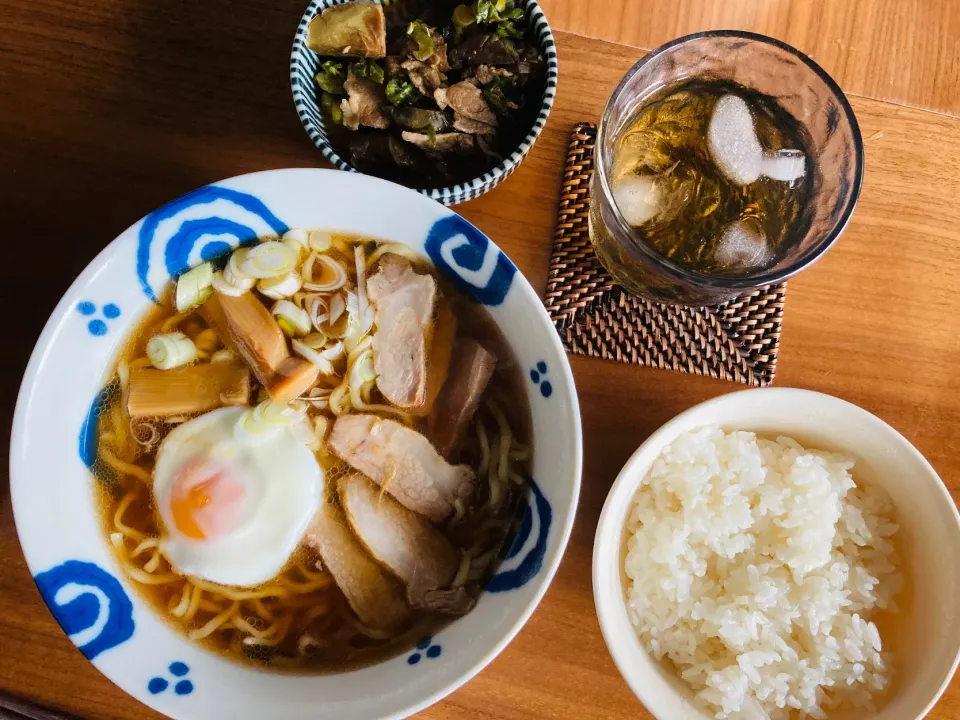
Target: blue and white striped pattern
(304, 64)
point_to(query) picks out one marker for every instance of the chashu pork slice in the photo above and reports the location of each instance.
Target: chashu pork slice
(404, 303)
(471, 369)
(403, 462)
(400, 539)
(376, 597)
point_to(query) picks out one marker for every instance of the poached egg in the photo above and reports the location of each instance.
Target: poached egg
(234, 507)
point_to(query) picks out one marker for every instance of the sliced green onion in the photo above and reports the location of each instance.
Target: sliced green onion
(320, 241)
(256, 425)
(279, 414)
(336, 275)
(330, 77)
(223, 355)
(295, 318)
(280, 287)
(338, 306)
(463, 17)
(221, 285)
(509, 30)
(194, 287)
(268, 259)
(311, 355)
(319, 397)
(401, 92)
(171, 350)
(303, 432)
(232, 272)
(314, 341)
(286, 327)
(368, 69)
(319, 311)
(420, 34)
(333, 352)
(297, 240)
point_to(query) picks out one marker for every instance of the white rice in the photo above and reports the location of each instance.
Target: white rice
(755, 567)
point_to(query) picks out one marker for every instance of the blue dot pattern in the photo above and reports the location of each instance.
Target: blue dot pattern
(184, 687)
(425, 646)
(538, 377)
(178, 670)
(98, 327)
(157, 685)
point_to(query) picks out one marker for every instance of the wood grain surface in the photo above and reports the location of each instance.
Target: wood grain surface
(904, 51)
(109, 108)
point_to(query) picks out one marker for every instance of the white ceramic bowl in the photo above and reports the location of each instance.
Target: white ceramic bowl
(52, 446)
(929, 648)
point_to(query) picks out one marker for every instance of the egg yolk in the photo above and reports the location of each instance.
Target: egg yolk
(205, 499)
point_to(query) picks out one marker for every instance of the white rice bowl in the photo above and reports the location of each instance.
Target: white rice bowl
(755, 567)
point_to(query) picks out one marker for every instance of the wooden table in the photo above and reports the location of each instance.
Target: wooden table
(109, 108)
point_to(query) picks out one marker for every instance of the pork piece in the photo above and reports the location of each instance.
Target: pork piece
(186, 390)
(404, 302)
(376, 597)
(467, 100)
(470, 371)
(355, 29)
(248, 328)
(486, 73)
(398, 538)
(362, 105)
(439, 57)
(418, 119)
(451, 601)
(425, 78)
(402, 462)
(472, 127)
(442, 142)
(441, 352)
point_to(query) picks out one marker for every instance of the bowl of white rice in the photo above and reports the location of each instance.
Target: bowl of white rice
(780, 554)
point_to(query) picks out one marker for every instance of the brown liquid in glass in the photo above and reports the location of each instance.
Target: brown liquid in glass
(667, 140)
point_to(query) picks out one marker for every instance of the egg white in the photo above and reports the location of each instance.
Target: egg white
(283, 483)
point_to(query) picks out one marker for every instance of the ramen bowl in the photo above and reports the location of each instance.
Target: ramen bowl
(925, 639)
(54, 445)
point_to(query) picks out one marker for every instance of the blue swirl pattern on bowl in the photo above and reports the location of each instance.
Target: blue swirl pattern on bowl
(304, 64)
(89, 603)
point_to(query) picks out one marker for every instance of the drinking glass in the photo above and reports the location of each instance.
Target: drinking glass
(789, 78)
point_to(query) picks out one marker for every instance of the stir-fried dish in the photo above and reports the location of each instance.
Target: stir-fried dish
(426, 93)
(313, 455)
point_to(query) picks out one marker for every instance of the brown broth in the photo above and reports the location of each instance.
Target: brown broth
(346, 650)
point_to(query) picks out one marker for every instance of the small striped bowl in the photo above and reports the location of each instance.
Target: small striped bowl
(304, 64)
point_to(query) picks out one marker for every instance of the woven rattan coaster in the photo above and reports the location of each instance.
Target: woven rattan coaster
(736, 341)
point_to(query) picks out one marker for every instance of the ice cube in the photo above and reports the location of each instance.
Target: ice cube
(741, 248)
(637, 198)
(786, 165)
(733, 140)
